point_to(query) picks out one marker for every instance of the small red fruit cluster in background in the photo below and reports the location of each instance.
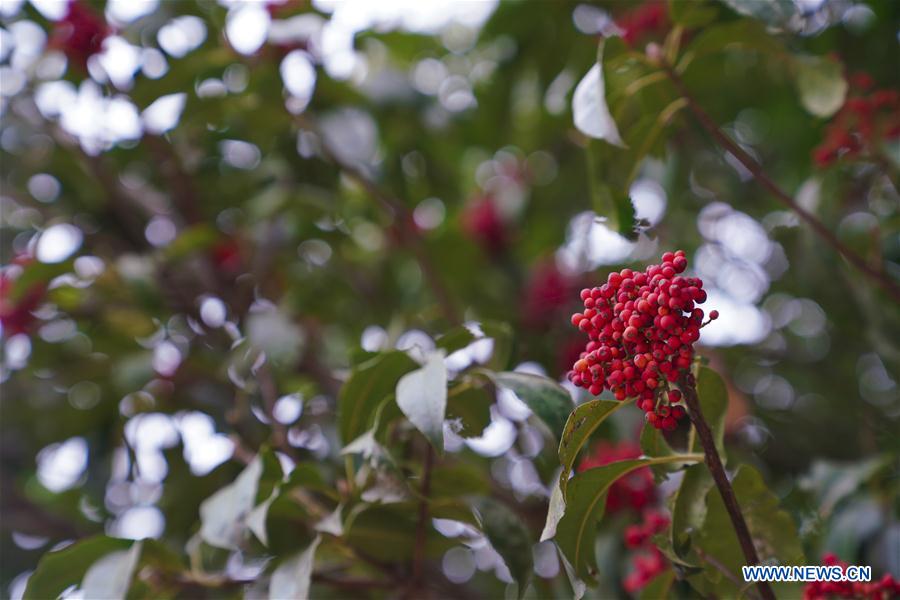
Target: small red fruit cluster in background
(883, 589)
(547, 291)
(16, 315)
(650, 562)
(647, 19)
(867, 118)
(642, 328)
(636, 490)
(80, 33)
(482, 222)
(226, 254)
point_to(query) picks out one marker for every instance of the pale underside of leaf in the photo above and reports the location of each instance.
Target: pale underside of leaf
(292, 577)
(110, 577)
(223, 514)
(590, 111)
(422, 397)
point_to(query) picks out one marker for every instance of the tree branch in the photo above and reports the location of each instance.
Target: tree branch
(714, 462)
(876, 274)
(422, 525)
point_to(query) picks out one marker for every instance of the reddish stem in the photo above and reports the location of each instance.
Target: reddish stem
(714, 462)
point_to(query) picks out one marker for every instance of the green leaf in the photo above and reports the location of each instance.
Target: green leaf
(658, 587)
(773, 530)
(743, 34)
(422, 396)
(696, 13)
(688, 504)
(502, 335)
(256, 519)
(110, 577)
(292, 577)
(458, 479)
(589, 108)
(224, 515)
(820, 81)
(63, 568)
(654, 444)
(455, 339)
(585, 504)
(713, 395)
(367, 386)
(555, 510)
(388, 531)
(509, 537)
(832, 482)
(583, 421)
(469, 409)
(643, 103)
(777, 13)
(546, 398)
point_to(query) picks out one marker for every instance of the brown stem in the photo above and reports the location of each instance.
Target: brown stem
(877, 274)
(397, 210)
(714, 462)
(422, 526)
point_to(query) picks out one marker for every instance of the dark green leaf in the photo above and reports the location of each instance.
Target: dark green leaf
(654, 444)
(58, 570)
(455, 339)
(688, 504)
(502, 335)
(469, 409)
(509, 537)
(713, 395)
(583, 421)
(388, 531)
(458, 479)
(773, 530)
(659, 586)
(777, 13)
(692, 14)
(546, 398)
(367, 386)
(585, 503)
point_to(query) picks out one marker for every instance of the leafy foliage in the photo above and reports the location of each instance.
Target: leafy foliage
(285, 286)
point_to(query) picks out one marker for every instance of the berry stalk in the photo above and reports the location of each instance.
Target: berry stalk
(714, 463)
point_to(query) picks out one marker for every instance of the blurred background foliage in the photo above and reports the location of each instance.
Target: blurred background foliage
(211, 211)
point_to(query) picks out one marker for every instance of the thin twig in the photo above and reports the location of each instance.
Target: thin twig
(721, 568)
(269, 391)
(714, 462)
(877, 274)
(422, 525)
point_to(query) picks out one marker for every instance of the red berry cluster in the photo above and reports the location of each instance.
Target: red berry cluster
(80, 33)
(636, 490)
(482, 222)
(647, 19)
(883, 589)
(642, 328)
(867, 118)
